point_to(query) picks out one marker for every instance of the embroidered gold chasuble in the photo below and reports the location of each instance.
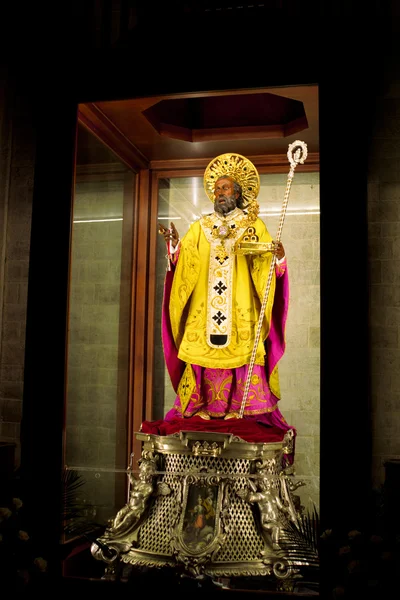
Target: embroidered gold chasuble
(216, 295)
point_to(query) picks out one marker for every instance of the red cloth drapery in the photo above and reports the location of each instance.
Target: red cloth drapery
(247, 430)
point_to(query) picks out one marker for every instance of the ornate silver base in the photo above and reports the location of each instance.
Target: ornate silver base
(210, 504)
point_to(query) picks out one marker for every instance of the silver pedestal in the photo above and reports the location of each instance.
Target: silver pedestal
(211, 504)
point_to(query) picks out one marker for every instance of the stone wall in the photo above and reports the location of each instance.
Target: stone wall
(384, 273)
(17, 156)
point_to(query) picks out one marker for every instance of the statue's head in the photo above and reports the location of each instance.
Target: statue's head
(235, 177)
(228, 195)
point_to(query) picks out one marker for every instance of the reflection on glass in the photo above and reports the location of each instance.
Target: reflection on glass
(183, 200)
(98, 335)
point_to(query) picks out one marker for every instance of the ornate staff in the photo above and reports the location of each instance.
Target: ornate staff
(297, 153)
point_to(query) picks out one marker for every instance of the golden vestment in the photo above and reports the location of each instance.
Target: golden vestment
(217, 294)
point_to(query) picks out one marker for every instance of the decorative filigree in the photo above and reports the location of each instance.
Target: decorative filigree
(241, 572)
(267, 466)
(206, 449)
(203, 478)
(297, 153)
(285, 571)
(148, 562)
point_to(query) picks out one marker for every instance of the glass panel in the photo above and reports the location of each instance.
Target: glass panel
(183, 200)
(99, 324)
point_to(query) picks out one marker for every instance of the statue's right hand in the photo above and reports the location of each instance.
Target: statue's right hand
(170, 235)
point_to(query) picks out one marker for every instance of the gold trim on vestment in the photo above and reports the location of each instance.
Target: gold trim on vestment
(186, 387)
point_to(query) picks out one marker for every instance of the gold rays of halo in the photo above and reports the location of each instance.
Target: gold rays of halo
(240, 168)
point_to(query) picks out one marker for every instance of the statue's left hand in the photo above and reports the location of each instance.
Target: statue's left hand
(279, 250)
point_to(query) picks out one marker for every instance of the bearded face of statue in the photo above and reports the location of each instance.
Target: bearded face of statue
(225, 196)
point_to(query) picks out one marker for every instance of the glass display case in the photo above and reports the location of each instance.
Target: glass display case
(182, 200)
(99, 316)
(127, 181)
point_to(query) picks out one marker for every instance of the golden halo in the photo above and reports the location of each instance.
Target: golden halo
(240, 168)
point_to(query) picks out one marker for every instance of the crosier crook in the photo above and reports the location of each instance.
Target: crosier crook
(297, 153)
